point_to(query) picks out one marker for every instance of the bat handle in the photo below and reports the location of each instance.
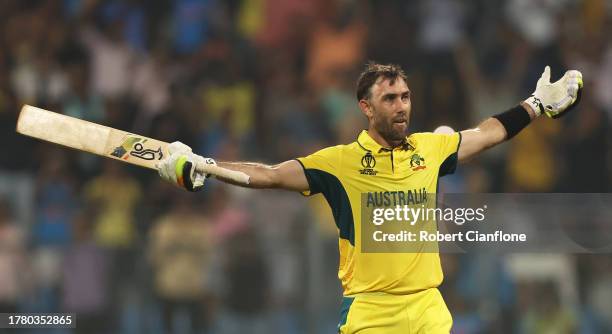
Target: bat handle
(236, 176)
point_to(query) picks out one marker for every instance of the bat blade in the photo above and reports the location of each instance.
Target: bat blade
(103, 140)
(90, 137)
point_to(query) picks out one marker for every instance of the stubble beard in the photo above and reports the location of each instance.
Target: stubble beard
(385, 128)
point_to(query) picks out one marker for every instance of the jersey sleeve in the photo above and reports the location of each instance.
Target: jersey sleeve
(320, 167)
(444, 148)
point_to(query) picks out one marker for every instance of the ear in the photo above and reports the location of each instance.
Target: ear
(365, 107)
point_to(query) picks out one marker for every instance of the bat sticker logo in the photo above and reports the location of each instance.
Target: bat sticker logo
(146, 154)
(135, 147)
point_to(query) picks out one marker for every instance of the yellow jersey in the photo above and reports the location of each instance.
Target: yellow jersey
(407, 173)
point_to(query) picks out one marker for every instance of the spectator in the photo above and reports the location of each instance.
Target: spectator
(179, 251)
(546, 314)
(12, 260)
(86, 278)
(57, 201)
(244, 308)
(114, 225)
(336, 46)
(111, 60)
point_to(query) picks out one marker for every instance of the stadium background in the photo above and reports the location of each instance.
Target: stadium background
(270, 80)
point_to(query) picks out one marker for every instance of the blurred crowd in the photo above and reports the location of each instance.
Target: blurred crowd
(271, 80)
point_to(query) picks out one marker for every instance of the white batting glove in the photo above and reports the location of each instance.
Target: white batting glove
(555, 99)
(179, 168)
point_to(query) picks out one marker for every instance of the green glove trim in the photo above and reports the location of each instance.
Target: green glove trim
(178, 169)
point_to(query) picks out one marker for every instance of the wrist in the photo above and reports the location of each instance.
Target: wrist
(514, 120)
(530, 110)
(533, 105)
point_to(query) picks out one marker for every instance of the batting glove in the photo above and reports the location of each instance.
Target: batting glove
(556, 99)
(179, 168)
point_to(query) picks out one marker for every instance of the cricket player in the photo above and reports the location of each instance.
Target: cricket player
(391, 293)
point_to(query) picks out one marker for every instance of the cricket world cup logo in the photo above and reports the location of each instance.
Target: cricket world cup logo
(368, 162)
(135, 146)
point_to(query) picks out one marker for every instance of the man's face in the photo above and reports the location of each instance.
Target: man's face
(389, 109)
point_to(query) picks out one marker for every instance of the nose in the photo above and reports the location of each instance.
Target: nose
(402, 106)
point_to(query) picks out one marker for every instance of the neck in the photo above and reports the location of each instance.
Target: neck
(381, 140)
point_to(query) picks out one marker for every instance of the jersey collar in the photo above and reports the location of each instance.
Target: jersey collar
(369, 144)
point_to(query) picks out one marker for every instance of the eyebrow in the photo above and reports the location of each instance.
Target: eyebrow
(393, 95)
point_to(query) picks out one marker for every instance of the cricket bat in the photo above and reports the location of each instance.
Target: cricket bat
(105, 141)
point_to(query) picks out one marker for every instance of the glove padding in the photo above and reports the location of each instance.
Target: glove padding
(179, 168)
(556, 99)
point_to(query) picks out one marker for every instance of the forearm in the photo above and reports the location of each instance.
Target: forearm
(187, 170)
(486, 135)
(260, 175)
(288, 175)
(510, 126)
(492, 132)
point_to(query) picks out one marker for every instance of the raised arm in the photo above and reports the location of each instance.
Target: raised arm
(188, 170)
(487, 134)
(551, 99)
(288, 175)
